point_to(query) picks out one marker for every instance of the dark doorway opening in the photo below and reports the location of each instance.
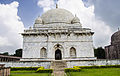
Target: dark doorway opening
(58, 55)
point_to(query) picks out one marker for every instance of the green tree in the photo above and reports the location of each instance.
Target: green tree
(18, 53)
(99, 53)
(5, 53)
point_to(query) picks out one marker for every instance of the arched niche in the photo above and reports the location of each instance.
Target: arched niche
(72, 52)
(43, 53)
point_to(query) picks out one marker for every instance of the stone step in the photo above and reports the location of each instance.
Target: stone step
(59, 73)
(58, 68)
(59, 65)
(60, 62)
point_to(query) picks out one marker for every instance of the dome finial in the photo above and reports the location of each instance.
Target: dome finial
(56, 5)
(75, 15)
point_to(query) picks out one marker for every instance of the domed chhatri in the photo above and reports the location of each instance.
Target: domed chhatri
(57, 16)
(38, 20)
(115, 37)
(76, 20)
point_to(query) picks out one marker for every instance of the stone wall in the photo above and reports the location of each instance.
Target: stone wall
(83, 44)
(49, 35)
(112, 51)
(27, 64)
(70, 63)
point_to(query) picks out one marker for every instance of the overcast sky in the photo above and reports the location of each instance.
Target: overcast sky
(101, 16)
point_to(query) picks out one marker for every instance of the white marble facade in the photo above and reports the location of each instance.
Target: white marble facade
(57, 35)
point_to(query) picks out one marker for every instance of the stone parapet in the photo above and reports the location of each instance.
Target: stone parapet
(70, 63)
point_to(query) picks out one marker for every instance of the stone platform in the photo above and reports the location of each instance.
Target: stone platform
(64, 59)
(69, 63)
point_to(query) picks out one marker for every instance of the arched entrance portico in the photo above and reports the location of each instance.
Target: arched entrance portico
(58, 55)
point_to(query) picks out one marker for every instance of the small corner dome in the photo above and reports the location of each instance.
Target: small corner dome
(76, 20)
(57, 16)
(38, 20)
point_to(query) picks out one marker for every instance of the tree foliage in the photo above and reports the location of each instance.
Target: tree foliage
(18, 53)
(5, 53)
(99, 53)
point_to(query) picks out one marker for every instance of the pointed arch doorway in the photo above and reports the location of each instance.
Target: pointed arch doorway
(58, 55)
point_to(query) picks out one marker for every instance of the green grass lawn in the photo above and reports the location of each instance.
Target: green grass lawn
(97, 72)
(83, 72)
(27, 73)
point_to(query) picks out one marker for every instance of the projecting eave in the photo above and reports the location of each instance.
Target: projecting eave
(49, 33)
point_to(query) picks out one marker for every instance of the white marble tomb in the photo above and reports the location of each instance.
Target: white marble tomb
(57, 35)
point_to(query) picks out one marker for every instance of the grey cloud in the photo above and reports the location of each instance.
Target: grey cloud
(108, 11)
(10, 27)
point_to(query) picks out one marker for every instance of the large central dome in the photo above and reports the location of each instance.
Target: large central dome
(115, 37)
(57, 16)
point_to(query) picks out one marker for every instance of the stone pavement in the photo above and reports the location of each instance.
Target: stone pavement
(58, 68)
